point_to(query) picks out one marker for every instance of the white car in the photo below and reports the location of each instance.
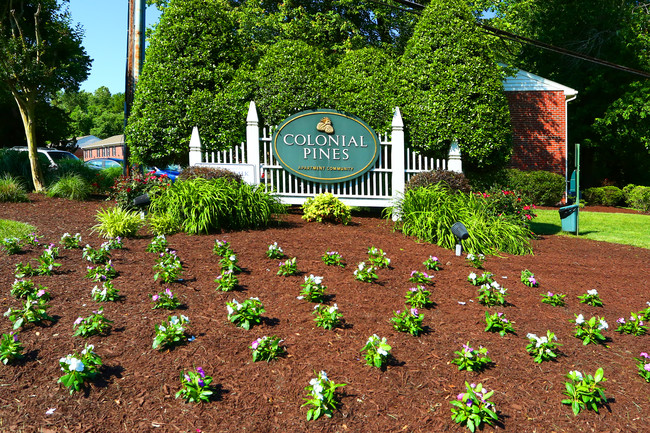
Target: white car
(52, 155)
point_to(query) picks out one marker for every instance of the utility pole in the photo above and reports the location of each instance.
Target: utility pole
(134, 60)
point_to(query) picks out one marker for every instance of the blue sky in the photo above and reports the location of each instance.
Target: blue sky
(105, 30)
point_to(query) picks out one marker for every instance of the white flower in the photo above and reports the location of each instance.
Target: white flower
(495, 285)
(300, 297)
(388, 261)
(382, 352)
(361, 266)
(76, 365)
(174, 320)
(334, 308)
(603, 325)
(470, 256)
(580, 319)
(313, 382)
(88, 349)
(472, 276)
(592, 292)
(50, 411)
(230, 310)
(577, 374)
(318, 388)
(531, 336)
(161, 328)
(322, 374)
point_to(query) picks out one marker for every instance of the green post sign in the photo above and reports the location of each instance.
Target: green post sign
(325, 146)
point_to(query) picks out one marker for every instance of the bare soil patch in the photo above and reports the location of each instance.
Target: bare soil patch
(137, 387)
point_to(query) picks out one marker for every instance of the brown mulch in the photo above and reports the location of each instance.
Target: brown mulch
(136, 390)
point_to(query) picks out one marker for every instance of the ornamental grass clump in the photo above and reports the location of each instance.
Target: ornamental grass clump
(376, 351)
(11, 350)
(195, 386)
(591, 298)
(554, 299)
(542, 348)
(471, 359)
(328, 317)
(333, 258)
(585, 392)
(634, 325)
(473, 408)
(95, 324)
(170, 332)
(497, 322)
(245, 314)
(408, 321)
(313, 289)
(116, 221)
(643, 365)
(590, 331)
(165, 300)
(80, 368)
(267, 348)
(321, 398)
(71, 186)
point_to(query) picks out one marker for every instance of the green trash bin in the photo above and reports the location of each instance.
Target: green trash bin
(569, 217)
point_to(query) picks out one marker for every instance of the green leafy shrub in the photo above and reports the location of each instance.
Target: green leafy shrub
(204, 206)
(451, 180)
(326, 208)
(542, 187)
(116, 221)
(208, 173)
(510, 205)
(71, 186)
(12, 189)
(639, 198)
(428, 214)
(604, 195)
(163, 223)
(126, 188)
(16, 163)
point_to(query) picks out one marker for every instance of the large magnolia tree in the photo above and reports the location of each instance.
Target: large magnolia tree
(40, 54)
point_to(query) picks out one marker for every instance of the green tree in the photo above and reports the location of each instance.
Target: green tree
(452, 88)
(99, 113)
(40, 53)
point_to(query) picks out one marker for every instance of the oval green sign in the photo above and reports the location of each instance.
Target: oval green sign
(325, 146)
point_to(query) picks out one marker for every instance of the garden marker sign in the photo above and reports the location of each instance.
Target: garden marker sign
(325, 146)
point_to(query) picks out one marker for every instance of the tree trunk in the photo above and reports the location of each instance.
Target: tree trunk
(28, 114)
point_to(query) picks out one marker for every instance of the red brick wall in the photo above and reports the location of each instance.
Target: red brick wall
(538, 121)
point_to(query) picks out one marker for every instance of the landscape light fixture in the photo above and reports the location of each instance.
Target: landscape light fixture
(460, 231)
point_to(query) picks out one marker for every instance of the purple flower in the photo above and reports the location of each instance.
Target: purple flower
(413, 289)
(200, 371)
(435, 259)
(646, 367)
(550, 294)
(169, 293)
(155, 298)
(414, 311)
(255, 344)
(79, 320)
(620, 320)
(40, 293)
(644, 355)
(460, 396)
(187, 378)
(413, 273)
(469, 403)
(201, 383)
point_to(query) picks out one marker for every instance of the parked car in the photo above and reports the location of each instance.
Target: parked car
(102, 163)
(52, 155)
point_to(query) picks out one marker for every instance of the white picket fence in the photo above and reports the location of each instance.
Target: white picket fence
(379, 187)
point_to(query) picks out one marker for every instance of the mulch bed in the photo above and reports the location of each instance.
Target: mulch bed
(137, 387)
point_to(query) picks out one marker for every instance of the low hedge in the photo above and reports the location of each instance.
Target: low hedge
(603, 195)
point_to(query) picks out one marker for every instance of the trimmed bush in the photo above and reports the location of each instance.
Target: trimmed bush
(208, 173)
(326, 208)
(542, 187)
(71, 186)
(639, 198)
(604, 195)
(206, 206)
(451, 180)
(12, 189)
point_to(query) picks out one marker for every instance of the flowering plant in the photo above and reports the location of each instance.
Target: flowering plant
(365, 273)
(94, 324)
(378, 258)
(34, 310)
(510, 205)
(10, 348)
(11, 245)
(226, 281)
(542, 347)
(418, 297)
(165, 300)
(288, 267)
(168, 267)
(126, 188)
(195, 386)
(24, 270)
(46, 260)
(321, 397)
(96, 256)
(230, 262)
(115, 243)
(158, 244)
(475, 260)
(528, 278)
(645, 313)
(497, 322)
(32, 239)
(170, 332)
(471, 359)
(591, 298)
(634, 325)
(312, 289)
(492, 294)
(221, 248)
(79, 368)
(408, 321)
(555, 299)
(472, 408)
(69, 241)
(274, 251)
(418, 277)
(590, 330)
(101, 273)
(485, 278)
(108, 293)
(643, 364)
(267, 348)
(584, 392)
(377, 351)
(327, 317)
(245, 314)
(24, 288)
(432, 263)
(333, 258)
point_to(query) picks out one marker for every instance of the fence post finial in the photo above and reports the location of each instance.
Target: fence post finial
(195, 147)
(455, 163)
(398, 152)
(253, 140)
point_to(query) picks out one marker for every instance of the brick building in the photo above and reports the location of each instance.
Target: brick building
(538, 114)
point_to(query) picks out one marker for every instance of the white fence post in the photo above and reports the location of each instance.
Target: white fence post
(195, 147)
(398, 167)
(454, 163)
(253, 140)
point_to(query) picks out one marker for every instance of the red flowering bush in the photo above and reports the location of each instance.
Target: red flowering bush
(510, 205)
(126, 188)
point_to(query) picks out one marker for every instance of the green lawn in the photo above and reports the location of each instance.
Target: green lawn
(619, 228)
(16, 229)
